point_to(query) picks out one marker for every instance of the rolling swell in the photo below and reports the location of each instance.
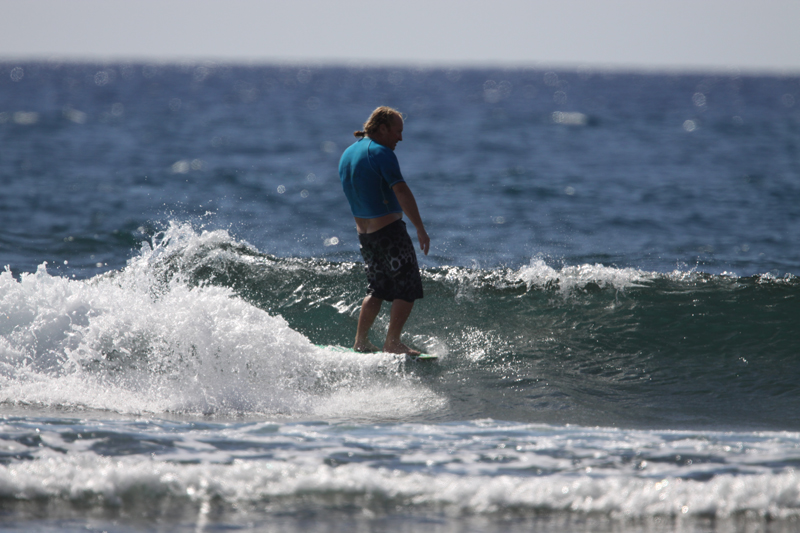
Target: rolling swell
(585, 344)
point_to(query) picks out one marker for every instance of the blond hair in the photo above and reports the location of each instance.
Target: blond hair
(382, 115)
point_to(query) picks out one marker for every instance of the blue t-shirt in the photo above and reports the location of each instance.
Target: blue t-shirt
(368, 171)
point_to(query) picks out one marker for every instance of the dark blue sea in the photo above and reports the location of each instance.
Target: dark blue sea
(611, 290)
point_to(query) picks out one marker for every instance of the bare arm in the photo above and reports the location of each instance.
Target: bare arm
(409, 205)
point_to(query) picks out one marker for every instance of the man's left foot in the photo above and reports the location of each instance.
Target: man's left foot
(399, 347)
(366, 347)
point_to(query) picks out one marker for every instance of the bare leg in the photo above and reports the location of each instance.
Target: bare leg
(401, 310)
(370, 308)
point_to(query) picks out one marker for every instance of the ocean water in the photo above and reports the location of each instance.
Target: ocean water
(612, 291)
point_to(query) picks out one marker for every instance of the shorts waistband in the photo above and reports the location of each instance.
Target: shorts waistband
(388, 228)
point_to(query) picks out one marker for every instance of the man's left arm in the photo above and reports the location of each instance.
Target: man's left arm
(409, 204)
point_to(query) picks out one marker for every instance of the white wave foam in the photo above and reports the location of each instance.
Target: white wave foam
(294, 483)
(456, 469)
(569, 278)
(134, 341)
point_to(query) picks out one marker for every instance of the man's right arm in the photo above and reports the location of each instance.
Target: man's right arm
(409, 204)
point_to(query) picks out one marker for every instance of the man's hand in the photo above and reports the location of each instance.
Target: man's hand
(424, 240)
(409, 205)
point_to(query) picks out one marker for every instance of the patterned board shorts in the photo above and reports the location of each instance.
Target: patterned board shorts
(390, 262)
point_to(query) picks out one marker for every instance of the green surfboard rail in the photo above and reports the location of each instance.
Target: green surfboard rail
(421, 357)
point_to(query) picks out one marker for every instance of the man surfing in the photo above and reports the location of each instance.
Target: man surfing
(378, 197)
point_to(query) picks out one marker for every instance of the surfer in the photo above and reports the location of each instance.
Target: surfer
(378, 197)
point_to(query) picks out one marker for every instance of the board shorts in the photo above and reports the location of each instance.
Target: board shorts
(390, 262)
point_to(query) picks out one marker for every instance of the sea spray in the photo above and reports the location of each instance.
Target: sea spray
(139, 340)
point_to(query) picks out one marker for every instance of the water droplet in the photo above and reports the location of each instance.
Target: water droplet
(570, 118)
(304, 75)
(78, 117)
(493, 92)
(551, 79)
(312, 103)
(181, 167)
(689, 125)
(17, 73)
(699, 99)
(200, 74)
(101, 78)
(26, 118)
(281, 189)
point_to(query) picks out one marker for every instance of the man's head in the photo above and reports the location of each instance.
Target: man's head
(384, 126)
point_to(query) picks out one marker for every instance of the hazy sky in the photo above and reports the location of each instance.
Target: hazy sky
(655, 34)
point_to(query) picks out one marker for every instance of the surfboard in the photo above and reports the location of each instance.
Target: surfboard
(422, 358)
